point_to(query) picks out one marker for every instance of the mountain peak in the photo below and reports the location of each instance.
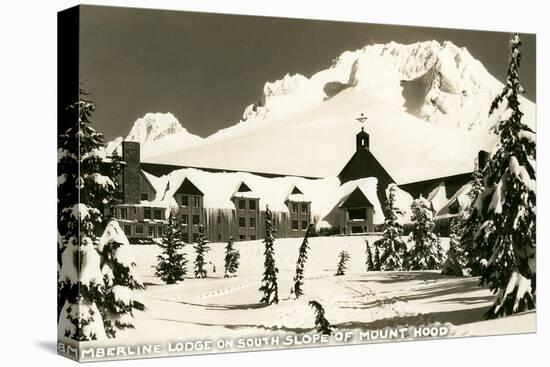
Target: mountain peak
(154, 126)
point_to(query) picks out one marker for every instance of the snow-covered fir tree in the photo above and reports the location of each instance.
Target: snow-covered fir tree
(506, 208)
(84, 190)
(376, 261)
(201, 248)
(122, 285)
(171, 263)
(343, 258)
(426, 252)
(391, 243)
(269, 288)
(300, 264)
(232, 257)
(455, 262)
(369, 262)
(321, 323)
(468, 227)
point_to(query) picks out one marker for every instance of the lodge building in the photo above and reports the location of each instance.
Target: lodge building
(233, 203)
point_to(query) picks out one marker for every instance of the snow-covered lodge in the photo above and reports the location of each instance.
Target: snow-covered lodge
(233, 203)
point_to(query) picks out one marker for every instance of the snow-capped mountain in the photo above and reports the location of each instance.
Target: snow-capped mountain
(427, 106)
(157, 133)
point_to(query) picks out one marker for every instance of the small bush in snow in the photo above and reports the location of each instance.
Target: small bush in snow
(343, 258)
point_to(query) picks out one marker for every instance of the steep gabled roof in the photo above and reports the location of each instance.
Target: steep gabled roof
(188, 188)
(244, 191)
(356, 199)
(147, 179)
(364, 164)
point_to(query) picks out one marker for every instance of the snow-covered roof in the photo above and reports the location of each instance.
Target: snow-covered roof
(220, 188)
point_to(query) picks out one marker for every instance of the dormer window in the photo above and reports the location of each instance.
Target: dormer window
(196, 201)
(185, 200)
(242, 204)
(252, 205)
(304, 208)
(144, 196)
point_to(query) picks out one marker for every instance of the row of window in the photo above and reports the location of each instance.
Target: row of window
(148, 213)
(251, 222)
(194, 200)
(302, 207)
(139, 231)
(251, 204)
(196, 219)
(295, 225)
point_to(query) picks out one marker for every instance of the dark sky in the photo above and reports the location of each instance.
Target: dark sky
(206, 68)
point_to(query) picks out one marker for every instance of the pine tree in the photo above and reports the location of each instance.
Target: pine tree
(171, 263)
(201, 248)
(505, 241)
(269, 286)
(393, 247)
(343, 258)
(468, 227)
(321, 323)
(232, 257)
(455, 262)
(426, 252)
(376, 261)
(300, 264)
(369, 263)
(122, 285)
(84, 191)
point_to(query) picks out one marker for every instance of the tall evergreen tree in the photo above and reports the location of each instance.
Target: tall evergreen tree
(343, 258)
(376, 262)
(232, 257)
(122, 285)
(393, 246)
(455, 262)
(201, 248)
(468, 227)
(300, 264)
(269, 286)
(321, 323)
(369, 263)
(171, 263)
(426, 252)
(506, 208)
(84, 190)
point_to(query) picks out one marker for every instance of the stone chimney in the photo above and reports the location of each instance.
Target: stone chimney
(131, 172)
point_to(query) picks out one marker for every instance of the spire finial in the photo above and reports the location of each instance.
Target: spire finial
(362, 119)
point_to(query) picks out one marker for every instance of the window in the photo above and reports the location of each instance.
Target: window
(294, 225)
(195, 237)
(252, 222)
(304, 208)
(157, 214)
(185, 236)
(242, 237)
(124, 213)
(357, 214)
(147, 213)
(252, 205)
(304, 225)
(196, 201)
(242, 204)
(139, 229)
(144, 196)
(184, 200)
(196, 219)
(242, 222)
(252, 238)
(152, 232)
(185, 219)
(294, 208)
(128, 230)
